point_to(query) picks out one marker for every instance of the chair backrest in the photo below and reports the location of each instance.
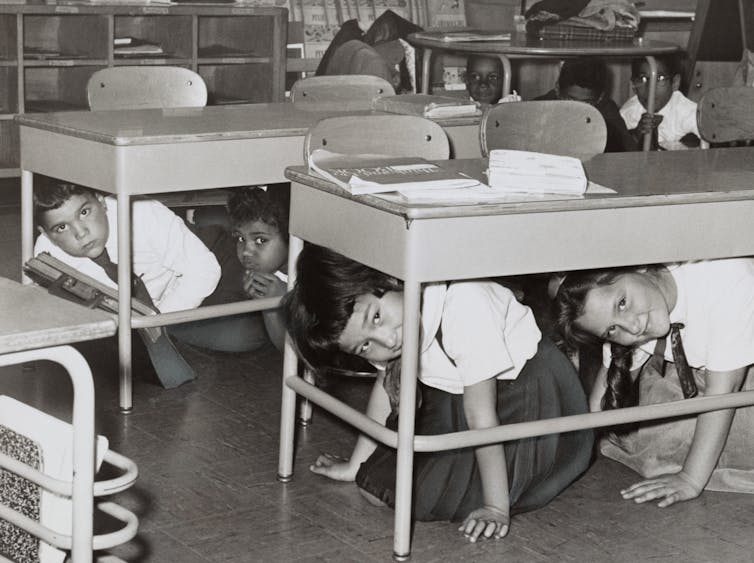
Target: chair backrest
(388, 134)
(137, 87)
(340, 92)
(562, 127)
(726, 114)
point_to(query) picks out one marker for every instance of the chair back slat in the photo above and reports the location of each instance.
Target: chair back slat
(562, 127)
(726, 114)
(387, 134)
(350, 92)
(141, 87)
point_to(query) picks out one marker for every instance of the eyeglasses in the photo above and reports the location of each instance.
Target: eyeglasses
(493, 79)
(643, 79)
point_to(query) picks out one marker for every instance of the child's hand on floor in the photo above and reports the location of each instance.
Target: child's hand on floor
(669, 489)
(487, 522)
(258, 285)
(334, 467)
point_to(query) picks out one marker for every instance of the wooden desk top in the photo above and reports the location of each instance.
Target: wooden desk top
(532, 47)
(640, 179)
(183, 125)
(32, 318)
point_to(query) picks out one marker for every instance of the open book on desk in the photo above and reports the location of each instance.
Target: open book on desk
(466, 35)
(372, 174)
(427, 105)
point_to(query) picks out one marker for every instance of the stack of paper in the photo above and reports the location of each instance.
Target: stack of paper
(534, 172)
(372, 174)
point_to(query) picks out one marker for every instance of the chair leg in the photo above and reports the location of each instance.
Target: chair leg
(305, 409)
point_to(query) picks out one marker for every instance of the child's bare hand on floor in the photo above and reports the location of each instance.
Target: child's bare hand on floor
(258, 285)
(671, 488)
(487, 522)
(334, 467)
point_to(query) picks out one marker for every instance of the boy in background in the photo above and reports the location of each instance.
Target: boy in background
(586, 80)
(173, 270)
(484, 79)
(674, 120)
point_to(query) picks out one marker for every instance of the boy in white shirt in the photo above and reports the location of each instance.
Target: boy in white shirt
(176, 268)
(675, 114)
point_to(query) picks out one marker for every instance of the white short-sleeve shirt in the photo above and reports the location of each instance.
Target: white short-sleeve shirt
(716, 305)
(484, 332)
(679, 117)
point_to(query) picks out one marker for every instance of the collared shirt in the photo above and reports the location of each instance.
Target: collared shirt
(679, 117)
(715, 302)
(472, 331)
(178, 270)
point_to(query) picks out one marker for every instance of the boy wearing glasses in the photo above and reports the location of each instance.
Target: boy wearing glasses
(675, 115)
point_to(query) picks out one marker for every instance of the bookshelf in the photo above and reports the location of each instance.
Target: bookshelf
(49, 50)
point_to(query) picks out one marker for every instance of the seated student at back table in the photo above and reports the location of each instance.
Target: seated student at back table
(172, 269)
(586, 80)
(482, 362)
(674, 120)
(254, 259)
(484, 79)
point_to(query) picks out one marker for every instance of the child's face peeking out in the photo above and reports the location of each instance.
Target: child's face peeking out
(630, 311)
(260, 247)
(666, 85)
(484, 79)
(375, 329)
(79, 226)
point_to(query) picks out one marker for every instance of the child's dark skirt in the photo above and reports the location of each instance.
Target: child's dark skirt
(447, 485)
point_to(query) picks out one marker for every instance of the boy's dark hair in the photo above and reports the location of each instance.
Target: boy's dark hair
(321, 302)
(51, 193)
(669, 63)
(584, 72)
(255, 204)
(474, 59)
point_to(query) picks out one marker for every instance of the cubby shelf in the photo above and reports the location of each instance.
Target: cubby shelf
(49, 50)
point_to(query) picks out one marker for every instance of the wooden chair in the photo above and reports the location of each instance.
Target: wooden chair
(147, 87)
(563, 127)
(388, 134)
(351, 92)
(726, 115)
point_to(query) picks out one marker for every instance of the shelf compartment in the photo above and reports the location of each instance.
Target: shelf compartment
(65, 37)
(239, 83)
(57, 88)
(171, 33)
(8, 89)
(235, 36)
(8, 148)
(8, 37)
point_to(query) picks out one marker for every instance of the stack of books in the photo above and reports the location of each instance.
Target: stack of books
(569, 31)
(536, 173)
(375, 174)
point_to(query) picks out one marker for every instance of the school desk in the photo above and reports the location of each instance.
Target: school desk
(34, 325)
(669, 206)
(136, 152)
(525, 47)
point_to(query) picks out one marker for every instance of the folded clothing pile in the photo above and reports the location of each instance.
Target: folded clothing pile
(591, 20)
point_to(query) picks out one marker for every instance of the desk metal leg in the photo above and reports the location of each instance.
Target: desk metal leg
(406, 414)
(290, 369)
(651, 97)
(27, 220)
(124, 302)
(426, 67)
(506, 74)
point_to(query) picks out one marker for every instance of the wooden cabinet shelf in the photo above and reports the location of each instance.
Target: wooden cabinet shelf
(48, 51)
